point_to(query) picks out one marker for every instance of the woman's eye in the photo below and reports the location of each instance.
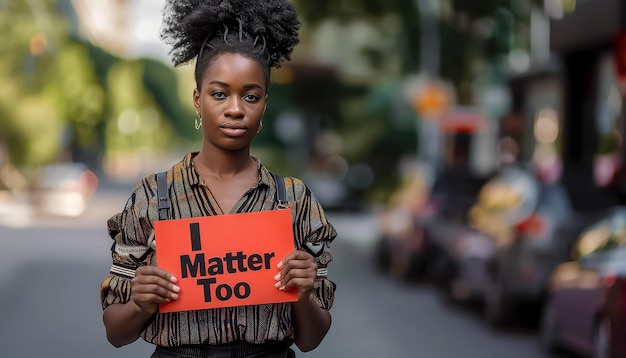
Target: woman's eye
(251, 98)
(218, 95)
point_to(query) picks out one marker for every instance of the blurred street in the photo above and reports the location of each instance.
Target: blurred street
(50, 271)
(471, 155)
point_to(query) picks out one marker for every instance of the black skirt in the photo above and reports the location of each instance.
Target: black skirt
(232, 350)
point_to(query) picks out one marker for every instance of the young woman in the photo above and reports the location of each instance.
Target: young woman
(235, 44)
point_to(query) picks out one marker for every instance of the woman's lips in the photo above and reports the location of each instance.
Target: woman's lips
(233, 130)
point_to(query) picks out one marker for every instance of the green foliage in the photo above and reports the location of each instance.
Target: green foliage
(477, 9)
(135, 120)
(32, 120)
(73, 86)
(102, 60)
(60, 93)
(381, 129)
(317, 11)
(160, 80)
(279, 100)
(377, 125)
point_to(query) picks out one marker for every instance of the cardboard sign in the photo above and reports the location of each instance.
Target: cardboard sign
(225, 260)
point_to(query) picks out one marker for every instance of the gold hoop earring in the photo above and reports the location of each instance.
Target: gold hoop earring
(260, 127)
(198, 122)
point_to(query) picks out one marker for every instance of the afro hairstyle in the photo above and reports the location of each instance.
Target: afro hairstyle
(270, 27)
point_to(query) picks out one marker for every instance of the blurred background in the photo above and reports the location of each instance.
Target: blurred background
(469, 152)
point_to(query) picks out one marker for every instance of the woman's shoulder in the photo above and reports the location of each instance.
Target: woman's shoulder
(294, 182)
(146, 185)
(296, 188)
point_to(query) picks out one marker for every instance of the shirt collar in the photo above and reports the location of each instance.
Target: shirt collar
(265, 177)
(192, 176)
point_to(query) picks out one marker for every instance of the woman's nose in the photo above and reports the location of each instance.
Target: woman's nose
(233, 107)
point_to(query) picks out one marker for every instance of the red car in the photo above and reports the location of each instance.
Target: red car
(586, 310)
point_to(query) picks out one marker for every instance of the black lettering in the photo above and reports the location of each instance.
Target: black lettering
(246, 290)
(240, 263)
(198, 266)
(268, 256)
(255, 262)
(194, 229)
(216, 267)
(206, 282)
(187, 268)
(229, 262)
(223, 287)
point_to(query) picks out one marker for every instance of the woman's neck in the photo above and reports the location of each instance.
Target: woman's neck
(224, 164)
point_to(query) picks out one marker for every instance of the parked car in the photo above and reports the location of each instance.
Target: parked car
(520, 270)
(586, 309)
(63, 189)
(402, 248)
(471, 252)
(502, 201)
(520, 230)
(454, 191)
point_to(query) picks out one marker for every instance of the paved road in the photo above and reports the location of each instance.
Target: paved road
(50, 272)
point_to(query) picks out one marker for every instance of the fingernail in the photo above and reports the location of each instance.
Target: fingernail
(277, 284)
(280, 264)
(173, 279)
(174, 296)
(176, 288)
(277, 277)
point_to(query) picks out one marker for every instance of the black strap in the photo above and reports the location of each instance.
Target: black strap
(164, 207)
(164, 201)
(281, 192)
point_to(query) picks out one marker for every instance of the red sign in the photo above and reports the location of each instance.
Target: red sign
(463, 121)
(225, 260)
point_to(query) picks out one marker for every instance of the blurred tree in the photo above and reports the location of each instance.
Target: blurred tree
(73, 85)
(159, 79)
(476, 39)
(133, 117)
(56, 97)
(32, 117)
(467, 28)
(406, 42)
(476, 9)
(382, 132)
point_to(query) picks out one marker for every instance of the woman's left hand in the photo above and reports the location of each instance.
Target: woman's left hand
(297, 270)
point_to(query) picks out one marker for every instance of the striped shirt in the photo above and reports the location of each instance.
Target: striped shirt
(132, 232)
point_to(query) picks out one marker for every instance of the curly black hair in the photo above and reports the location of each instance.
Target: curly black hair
(263, 30)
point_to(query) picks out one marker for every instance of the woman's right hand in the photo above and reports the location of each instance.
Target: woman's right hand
(152, 286)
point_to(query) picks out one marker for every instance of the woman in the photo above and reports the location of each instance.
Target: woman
(234, 43)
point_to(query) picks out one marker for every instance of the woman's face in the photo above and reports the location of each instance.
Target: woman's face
(231, 101)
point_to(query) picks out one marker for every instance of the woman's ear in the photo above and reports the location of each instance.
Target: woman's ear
(196, 99)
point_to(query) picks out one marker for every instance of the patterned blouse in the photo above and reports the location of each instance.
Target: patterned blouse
(132, 232)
